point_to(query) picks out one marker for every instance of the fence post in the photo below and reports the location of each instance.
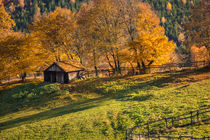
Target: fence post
(198, 115)
(172, 120)
(166, 122)
(178, 121)
(148, 130)
(127, 137)
(191, 117)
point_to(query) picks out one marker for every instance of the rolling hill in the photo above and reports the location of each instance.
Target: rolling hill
(101, 108)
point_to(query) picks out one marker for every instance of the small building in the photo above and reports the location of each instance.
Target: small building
(63, 72)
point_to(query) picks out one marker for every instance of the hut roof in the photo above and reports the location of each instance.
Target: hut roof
(69, 66)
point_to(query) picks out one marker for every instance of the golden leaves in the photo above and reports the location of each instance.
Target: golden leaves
(169, 6)
(6, 22)
(184, 1)
(55, 31)
(21, 3)
(163, 20)
(199, 53)
(152, 44)
(181, 37)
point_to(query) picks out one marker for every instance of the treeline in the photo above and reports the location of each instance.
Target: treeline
(24, 11)
(108, 33)
(104, 32)
(171, 12)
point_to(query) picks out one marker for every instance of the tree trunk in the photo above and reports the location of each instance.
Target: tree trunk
(132, 68)
(35, 75)
(95, 65)
(115, 63)
(119, 68)
(96, 70)
(23, 77)
(107, 57)
(139, 66)
(118, 64)
(143, 71)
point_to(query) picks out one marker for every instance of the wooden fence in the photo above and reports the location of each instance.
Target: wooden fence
(126, 70)
(153, 128)
(35, 75)
(151, 69)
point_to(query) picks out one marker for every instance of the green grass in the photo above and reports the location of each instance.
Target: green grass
(196, 130)
(101, 108)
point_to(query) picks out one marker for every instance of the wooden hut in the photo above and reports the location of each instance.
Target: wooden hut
(63, 72)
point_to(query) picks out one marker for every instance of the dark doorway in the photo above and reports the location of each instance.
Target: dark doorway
(53, 76)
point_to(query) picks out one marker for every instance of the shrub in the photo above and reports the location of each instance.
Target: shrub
(33, 92)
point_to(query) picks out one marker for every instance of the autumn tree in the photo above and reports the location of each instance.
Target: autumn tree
(56, 32)
(6, 22)
(199, 54)
(129, 11)
(152, 46)
(197, 30)
(104, 33)
(86, 42)
(19, 53)
(8, 54)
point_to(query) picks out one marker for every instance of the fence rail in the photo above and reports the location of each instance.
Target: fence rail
(125, 70)
(149, 69)
(150, 129)
(143, 137)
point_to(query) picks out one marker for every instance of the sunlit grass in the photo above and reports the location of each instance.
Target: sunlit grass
(102, 108)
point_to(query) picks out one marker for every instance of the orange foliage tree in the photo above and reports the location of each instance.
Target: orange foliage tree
(6, 23)
(55, 32)
(197, 30)
(152, 46)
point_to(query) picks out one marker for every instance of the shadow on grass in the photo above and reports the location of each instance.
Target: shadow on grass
(68, 109)
(102, 85)
(94, 86)
(26, 95)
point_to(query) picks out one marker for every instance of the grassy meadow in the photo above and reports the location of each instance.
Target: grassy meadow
(101, 108)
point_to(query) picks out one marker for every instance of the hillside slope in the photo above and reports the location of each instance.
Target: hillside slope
(101, 108)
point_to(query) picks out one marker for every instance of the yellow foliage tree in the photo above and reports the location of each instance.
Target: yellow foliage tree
(163, 20)
(11, 44)
(184, 1)
(20, 54)
(103, 30)
(169, 6)
(152, 46)
(56, 33)
(6, 22)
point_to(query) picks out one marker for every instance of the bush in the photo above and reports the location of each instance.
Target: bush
(30, 92)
